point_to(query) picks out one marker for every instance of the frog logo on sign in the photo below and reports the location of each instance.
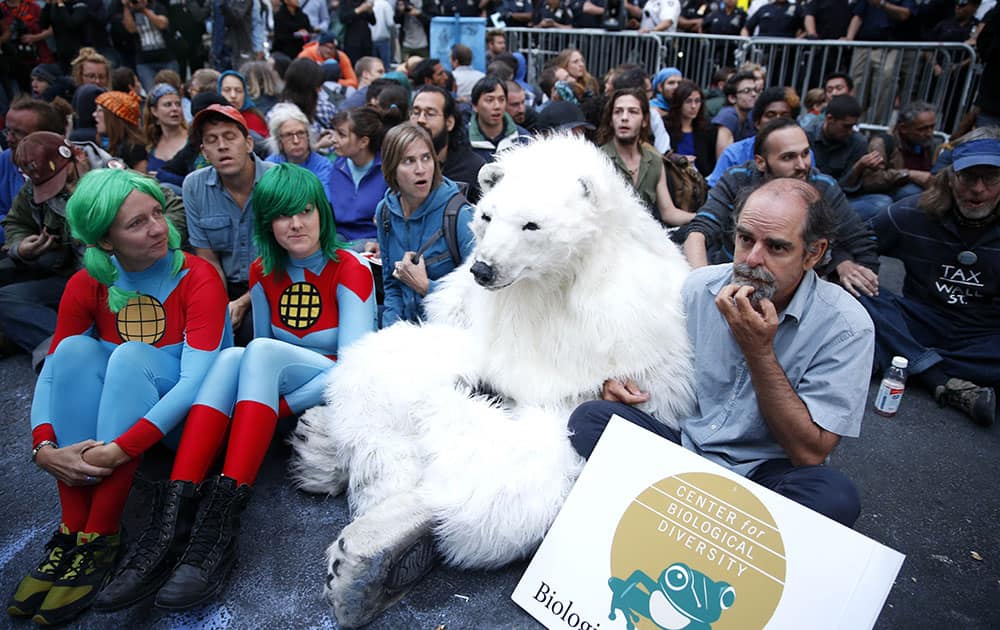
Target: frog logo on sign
(681, 599)
(707, 538)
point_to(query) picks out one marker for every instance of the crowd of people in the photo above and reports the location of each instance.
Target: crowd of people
(229, 220)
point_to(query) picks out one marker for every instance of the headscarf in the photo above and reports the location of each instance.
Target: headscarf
(658, 79)
(247, 101)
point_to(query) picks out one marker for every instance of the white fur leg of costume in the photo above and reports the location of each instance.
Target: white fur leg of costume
(497, 477)
(377, 557)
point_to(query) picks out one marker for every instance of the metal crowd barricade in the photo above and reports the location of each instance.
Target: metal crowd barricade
(603, 50)
(886, 74)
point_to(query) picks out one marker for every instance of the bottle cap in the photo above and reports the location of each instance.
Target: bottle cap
(900, 362)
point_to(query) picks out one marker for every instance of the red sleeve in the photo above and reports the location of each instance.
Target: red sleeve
(256, 272)
(204, 306)
(41, 433)
(355, 276)
(78, 307)
(140, 437)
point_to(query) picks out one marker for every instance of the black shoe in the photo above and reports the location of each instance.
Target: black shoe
(155, 553)
(31, 591)
(211, 552)
(87, 568)
(979, 403)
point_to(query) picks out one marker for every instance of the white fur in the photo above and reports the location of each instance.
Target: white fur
(592, 294)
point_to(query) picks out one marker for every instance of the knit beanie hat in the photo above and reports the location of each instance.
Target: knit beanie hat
(124, 105)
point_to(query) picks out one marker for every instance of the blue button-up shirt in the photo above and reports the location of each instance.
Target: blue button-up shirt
(216, 222)
(825, 342)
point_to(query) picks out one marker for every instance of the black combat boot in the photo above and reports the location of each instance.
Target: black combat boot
(155, 553)
(211, 552)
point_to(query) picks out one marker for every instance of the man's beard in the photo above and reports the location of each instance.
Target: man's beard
(440, 140)
(627, 141)
(762, 281)
(769, 173)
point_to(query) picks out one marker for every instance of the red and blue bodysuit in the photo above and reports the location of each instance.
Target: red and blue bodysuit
(302, 317)
(128, 377)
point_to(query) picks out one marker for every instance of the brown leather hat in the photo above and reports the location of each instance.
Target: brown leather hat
(44, 157)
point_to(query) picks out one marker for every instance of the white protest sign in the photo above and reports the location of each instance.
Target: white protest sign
(655, 537)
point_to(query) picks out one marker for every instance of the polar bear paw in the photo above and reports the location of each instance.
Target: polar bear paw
(373, 563)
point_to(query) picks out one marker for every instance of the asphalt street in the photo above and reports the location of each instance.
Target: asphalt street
(928, 480)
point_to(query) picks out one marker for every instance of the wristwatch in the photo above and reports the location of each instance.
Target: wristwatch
(904, 174)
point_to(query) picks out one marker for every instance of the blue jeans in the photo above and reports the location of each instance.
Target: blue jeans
(383, 50)
(819, 488)
(147, 71)
(869, 206)
(927, 336)
(906, 190)
(28, 310)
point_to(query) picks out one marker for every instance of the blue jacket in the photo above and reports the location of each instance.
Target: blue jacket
(11, 182)
(408, 235)
(354, 207)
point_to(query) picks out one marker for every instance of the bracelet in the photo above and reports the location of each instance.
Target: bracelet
(34, 451)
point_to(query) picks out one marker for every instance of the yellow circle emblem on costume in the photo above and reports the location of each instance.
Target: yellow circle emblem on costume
(300, 305)
(142, 319)
(697, 546)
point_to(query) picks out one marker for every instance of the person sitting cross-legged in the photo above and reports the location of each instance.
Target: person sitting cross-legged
(782, 358)
(947, 322)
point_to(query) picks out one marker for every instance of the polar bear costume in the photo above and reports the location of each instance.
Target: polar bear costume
(455, 430)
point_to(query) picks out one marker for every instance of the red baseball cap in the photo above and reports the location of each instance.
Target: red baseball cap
(44, 157)
(213, 110)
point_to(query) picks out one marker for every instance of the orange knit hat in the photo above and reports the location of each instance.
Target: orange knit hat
(124, 105)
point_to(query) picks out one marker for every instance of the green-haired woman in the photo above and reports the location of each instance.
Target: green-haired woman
(137, 331)
(311, 300)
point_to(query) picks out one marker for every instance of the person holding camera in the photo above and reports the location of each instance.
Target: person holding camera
(22, 41)
(149, 24)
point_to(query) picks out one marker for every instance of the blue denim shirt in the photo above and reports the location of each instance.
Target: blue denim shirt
(824, 343)
(409, 234)
(215, 222)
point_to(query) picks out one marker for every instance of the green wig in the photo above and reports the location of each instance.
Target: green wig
(285, 190)
(92, 209)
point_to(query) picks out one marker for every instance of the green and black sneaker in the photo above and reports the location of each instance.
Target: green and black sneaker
(35, 586)
(87, 568)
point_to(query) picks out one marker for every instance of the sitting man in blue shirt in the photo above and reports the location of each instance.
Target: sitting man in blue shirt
(218, 202)
(782, 358)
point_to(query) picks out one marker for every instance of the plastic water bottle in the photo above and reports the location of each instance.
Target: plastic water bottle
(890, 392)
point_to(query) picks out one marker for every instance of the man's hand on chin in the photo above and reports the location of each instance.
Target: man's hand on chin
(753, 327)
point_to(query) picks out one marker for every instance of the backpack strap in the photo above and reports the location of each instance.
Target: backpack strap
(450, 226)
(449, 230)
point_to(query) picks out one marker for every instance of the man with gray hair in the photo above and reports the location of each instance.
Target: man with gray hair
(907, 153)
(947, 322)
(782, 358)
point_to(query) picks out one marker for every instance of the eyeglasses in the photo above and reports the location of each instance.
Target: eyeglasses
(16, 134)
(416, 113)
(293, 135)
(748, 90)
(969, 178)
